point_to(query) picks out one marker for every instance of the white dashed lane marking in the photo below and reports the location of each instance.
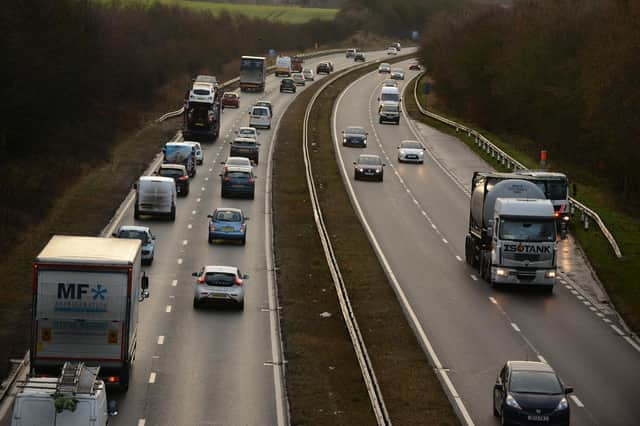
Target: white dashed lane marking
(189, 226)
(473, 277)
(493, 300)
(174, 283)
(142, 422)
(541, 358)
(180, 261)
(576, 401)
(185, 242)
(161, 340)
(168, 309)
(152, 378)
(458, 258)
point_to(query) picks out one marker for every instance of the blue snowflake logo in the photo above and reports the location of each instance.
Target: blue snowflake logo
(99, 292)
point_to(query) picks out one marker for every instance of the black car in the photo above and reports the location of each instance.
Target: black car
(354, 136)
(359, 57)
(323, 68)
(245, 147)
(368, 166)
(528, 392)
(287, 85)
(179, 174)
(238, 180)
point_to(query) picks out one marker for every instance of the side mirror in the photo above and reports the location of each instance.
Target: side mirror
(384, 164)
(153, 238)
(194, 274)
(354, 163)
(164, 150)
(112, 409)
(568, 390)
(498, 387)
(135, 186)
(114, 235)
(210, 216)
(245, 276)
(220, 175)
(223, 162)
(257, 144)
(246, 218)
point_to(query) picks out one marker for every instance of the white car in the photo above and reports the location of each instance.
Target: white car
(308, 74)
(221, 284)
(411, 152)
(248, 132)
(298, 79)
(384, 68)
(260, 116)
(237, 161)
(390, 83)
(199, 153)
(392, 51)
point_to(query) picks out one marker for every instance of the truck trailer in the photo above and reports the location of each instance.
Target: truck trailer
(512, 233)
(252, 73)
(85, 305)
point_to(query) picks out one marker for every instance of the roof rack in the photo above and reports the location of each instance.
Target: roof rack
(75, 378)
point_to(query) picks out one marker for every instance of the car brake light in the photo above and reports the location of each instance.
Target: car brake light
(243, 227)
(183, 178)
(250, 180)
(227, 179)
(113, 379)
(201, 280)
(238, 281)
(556, 214)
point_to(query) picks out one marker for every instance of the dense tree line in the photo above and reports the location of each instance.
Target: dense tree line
(563, 73)
(76, 72)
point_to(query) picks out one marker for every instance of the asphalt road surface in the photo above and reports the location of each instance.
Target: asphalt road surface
(419, 217)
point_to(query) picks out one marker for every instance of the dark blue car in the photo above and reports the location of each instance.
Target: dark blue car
(238, 181)
(228, 224)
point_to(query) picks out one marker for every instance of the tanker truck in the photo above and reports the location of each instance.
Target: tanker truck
(512, 233)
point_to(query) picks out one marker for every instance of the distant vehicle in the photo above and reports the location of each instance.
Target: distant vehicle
(384, 68)
(368, 166)
(389, 95)
(248, 132)
(85, 306)
(238, 180)
(253, 73)
(142, 233)
(392, 51)
(287, 85)
(178, 173)
(265, 104)
(155, 196)
(219, 284)
(231, 100)
(512, 232)
(397, 46)
(323, 68)
(260, 117)
(283, 66)
(359, 57)
(180, 153)
(298, 79)
(354, 136)
(208, 79)
(389, 112)
(296, 63)
(198, 151)
(36, 401)
(308, 74)
(351, 53)
(202, 110)
(245, 147)
(415, 66)
(390, 83)
(330, 65)
(530, 392)
(411, 152)
(236, 161)
(228, 224)
(397, 74)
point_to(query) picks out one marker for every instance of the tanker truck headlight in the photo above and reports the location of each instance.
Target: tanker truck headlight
(501, 272)
(551, 274)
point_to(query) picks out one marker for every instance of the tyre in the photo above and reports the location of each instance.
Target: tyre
(223, 194)
(172, 215)
(186, 192)
(355, 176)
(496, 413)
(150, 262)
(244, 241)
(548, 289)
(210, 240)
(124, 378)
(381, 177)
(196, 303)
(136, 212)
(241, 306)
(252, 195)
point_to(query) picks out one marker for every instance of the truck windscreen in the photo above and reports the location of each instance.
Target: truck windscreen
(528, 230)
(251, 64)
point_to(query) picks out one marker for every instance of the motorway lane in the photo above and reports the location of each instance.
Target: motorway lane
(208, 366)
(472, 335)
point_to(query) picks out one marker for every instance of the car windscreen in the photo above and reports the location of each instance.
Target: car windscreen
(251, 64)
(390, 97)
(535, 382)
(528, 230)
(247, 132)
(133, 235)
(411, 145)
(219, 279)
(389, 108)
(370, 161)
(354, 131)
(227, 216)
(556, 189)
(172, 173)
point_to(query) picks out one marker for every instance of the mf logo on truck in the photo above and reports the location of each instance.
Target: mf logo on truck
(521, 248)
(81, 297)
(77, 291)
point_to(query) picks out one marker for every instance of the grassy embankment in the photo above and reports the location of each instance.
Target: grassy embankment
(619, 276)
(288, 14)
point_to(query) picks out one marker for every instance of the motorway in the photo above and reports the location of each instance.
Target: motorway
(211, 366)
(419, 217)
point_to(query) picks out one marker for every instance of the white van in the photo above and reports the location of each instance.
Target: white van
(156, 195)
(260, 117)
(77, 398)
(389, 95)
(283, 66)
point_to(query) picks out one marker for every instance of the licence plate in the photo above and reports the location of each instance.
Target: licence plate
(368, 172)
(413, 157)
(227, 229)
(217, 296)
(200, 124)
(538, 418)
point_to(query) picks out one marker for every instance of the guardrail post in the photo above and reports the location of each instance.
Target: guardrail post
(586, 223)
(582, 215)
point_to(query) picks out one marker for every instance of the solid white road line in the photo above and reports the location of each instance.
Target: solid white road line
(161, 340)
(473, 277)
(152, 378)
(617, 330)
(541, 358)
(632, 343)
(142, 422)
(493, 300)
(576, 401)
(167, 309)
(515, 327)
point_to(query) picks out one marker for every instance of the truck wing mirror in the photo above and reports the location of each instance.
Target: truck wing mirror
(144, 288)
(135, 186)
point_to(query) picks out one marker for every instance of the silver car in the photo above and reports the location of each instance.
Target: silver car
(198, 149)
(143, 234)
(390, 83)
(248, 132)
(411, 152)
(237, 161)
(298, 79)
(384, 68)
(397, 74)
(308, 74)
(219, 284)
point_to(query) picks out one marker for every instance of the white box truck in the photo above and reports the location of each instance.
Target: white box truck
(283, 66)
(85, 305)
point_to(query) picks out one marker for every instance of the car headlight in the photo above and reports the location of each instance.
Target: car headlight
(501, 272)
(361, 170)
(550, 274)
(344, 140)
(563, 404)
(402, 152)
(377, 170)
(511, 402)
(212, 228)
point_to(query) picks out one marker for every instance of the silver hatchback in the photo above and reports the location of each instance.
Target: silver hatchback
(219, 284)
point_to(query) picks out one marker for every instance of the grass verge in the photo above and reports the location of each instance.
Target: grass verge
(619, 276)
(287, 14)
(323, 379)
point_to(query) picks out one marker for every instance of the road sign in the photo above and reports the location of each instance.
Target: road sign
(426, 88)
(272, 52)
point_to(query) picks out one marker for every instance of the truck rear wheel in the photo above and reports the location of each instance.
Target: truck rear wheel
(136, 212)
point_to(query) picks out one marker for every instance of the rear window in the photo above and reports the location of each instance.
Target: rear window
(227, 216)
(411, 145)
(201, 92)
(239, 175)
(247, 132)
(219, 279)
(133, 235)
(287, 81)
(238, 162)
(244, 143)
(259, 111)
(230, 95)
(172, 173)
(390, 97)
